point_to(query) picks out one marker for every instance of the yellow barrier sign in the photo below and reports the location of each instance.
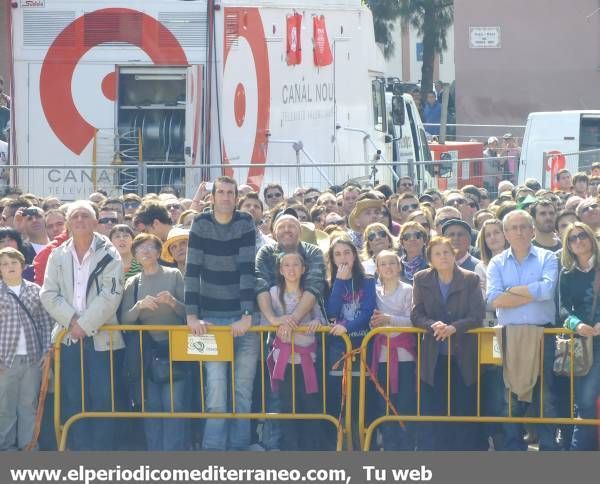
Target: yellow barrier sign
(216, 346)
(491, 354)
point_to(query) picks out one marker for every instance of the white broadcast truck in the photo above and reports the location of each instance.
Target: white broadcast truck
(575, 134)
(133, 95)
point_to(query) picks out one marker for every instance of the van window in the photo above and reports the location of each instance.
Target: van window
(378, 95)
(589, 139)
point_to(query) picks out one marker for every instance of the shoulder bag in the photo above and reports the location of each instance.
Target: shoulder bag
(583, 353)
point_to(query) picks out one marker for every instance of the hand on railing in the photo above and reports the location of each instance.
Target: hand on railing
(197, 326)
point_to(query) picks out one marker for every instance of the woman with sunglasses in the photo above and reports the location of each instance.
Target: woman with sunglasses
(377, 237)
(413, 239)
(578, 285)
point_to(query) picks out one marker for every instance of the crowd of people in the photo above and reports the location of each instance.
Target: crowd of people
(342, 262)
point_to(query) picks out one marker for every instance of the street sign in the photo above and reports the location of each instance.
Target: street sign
(484, 37)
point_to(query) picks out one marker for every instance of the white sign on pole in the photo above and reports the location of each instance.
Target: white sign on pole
(484, 38)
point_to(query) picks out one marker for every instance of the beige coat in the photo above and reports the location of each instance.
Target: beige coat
(103, 297)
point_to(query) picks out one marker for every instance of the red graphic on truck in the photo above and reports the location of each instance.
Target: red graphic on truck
(63, 56)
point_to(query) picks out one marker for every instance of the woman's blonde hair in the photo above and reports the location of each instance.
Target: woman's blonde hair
(366, 252)
(568, 259)
(484, 250)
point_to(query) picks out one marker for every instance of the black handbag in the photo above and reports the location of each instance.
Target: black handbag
(160, 368)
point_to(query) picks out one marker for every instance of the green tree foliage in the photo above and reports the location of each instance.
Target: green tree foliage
(431, 18)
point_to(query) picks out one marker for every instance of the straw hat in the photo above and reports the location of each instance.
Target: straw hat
(175, 235)
(313, 235)
(359, 208)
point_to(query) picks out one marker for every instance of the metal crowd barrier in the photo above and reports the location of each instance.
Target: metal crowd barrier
(184, 348)
(486, 355)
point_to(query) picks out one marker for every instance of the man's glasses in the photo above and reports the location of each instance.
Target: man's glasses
(310, 199)
(174, 206)
(274, 195)
(108, 220)
(129, 205)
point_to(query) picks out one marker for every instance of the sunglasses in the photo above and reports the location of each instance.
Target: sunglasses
(373, 235)
(108, 220)
(310, 199)
(581, 236)
(32, 212)
(412, 206)
(457, 201)
(133, 204)
(590, 207)
(174, 206)
(274, 195)
(412, 236)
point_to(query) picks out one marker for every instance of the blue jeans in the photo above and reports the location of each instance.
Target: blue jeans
(513, 433)
(234, 434)
(87, 434)
(587, 391)
(165, 434)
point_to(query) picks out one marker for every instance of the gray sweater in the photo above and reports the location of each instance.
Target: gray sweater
(166, 279)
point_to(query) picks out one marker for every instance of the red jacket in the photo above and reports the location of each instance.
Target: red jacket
(41, 259)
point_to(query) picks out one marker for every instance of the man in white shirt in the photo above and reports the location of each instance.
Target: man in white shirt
(82, 290)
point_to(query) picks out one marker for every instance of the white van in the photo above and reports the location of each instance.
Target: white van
(564, 131)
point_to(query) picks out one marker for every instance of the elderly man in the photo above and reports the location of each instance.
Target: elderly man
(349, 198)
(443, 215)
(366, 212)
(588, 212)
(521, 283)
(82, 291)
(459, 233)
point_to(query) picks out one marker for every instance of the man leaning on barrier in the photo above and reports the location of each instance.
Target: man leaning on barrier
(82, 291)
(219, 290)
(521, 283)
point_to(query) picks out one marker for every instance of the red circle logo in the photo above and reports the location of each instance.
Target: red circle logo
(60, 63)
(250, 27)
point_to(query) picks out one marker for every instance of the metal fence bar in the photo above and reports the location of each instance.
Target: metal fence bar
(62, 429)
(367, 431)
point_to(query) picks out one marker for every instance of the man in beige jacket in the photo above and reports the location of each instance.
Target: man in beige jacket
(82, 290)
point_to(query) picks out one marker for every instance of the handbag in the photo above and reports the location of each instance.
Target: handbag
(160, 370)
(157, 364)
(583, 350)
